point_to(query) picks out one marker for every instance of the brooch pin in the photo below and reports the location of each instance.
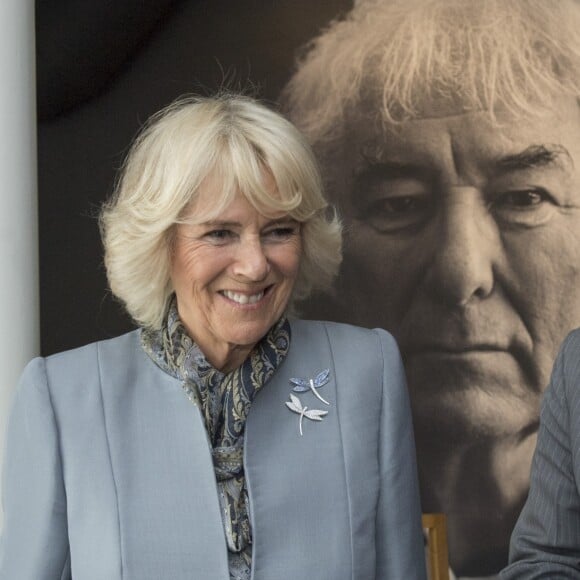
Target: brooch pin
(313, 385)
(295, 405)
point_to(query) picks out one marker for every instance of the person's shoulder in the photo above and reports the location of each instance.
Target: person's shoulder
(569, 351)
(336, 327)
(86, 362)
(117, 346)
(78, 371)
(340, 330)
(371, 347)
(568, 360)
(70, 382)
(366, 357)
(572, 341)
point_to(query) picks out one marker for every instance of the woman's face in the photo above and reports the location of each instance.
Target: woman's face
(233, 276)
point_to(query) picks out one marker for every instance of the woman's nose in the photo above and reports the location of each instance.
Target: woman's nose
(251, 262)
(467, 243)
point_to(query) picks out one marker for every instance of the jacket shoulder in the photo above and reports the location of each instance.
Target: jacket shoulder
(338, 332)
(572, 341)
(566, 372)
(84, 366)
(342, 328)
(87, 357)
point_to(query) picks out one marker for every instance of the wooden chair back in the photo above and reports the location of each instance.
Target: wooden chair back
(435, 528)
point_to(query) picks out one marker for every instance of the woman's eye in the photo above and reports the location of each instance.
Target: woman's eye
(219, 236)
(281, 233)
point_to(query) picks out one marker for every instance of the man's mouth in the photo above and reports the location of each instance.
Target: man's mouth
(455, 348)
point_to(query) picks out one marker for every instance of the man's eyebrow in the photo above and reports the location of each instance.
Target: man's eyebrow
(533, 157)
(392, 170)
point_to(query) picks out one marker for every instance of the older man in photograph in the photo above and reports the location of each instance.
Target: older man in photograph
(449, 135)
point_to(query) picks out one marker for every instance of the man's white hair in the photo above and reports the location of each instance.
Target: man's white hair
(398, 55)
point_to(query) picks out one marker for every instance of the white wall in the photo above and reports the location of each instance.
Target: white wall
(19, 310)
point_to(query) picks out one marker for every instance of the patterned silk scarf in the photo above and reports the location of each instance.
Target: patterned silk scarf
(224, 401)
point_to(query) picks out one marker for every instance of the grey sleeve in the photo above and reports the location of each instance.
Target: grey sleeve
(546, 540)
(34, 541)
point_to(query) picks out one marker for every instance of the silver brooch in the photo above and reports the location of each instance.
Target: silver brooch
(295, 405)
(302, 385)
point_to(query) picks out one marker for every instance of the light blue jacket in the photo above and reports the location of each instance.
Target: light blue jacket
(108, 473)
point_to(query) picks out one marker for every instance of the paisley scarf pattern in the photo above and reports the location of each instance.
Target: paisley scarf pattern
(224, 401)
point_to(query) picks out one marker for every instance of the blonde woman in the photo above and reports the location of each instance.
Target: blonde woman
(220, 440)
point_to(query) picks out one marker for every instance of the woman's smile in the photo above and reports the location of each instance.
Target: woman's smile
(244, 298)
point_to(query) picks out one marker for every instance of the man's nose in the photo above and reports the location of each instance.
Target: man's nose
(465, 249)
(251, 263)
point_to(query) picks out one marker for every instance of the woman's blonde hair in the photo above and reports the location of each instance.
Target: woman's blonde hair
(229, 137)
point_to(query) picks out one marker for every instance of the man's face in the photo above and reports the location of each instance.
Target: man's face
(463, 239)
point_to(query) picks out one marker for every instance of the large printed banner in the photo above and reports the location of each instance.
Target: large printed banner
(454, 177)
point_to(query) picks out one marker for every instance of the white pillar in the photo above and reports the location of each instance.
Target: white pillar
(19, 310)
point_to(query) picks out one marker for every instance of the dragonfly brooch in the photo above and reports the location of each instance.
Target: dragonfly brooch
(295, 405)
(302, 385)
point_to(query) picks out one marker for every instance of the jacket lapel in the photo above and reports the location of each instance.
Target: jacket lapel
(169, 515)
(296, 484)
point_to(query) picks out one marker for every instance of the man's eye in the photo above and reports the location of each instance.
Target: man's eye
(526, 207)
(523, 199)
(401, 205)
(390, 214)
